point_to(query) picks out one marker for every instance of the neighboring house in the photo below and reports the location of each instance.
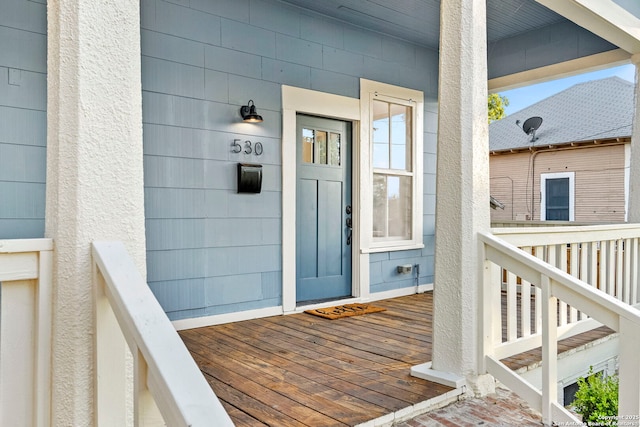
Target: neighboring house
(121, 121)
(577, 168)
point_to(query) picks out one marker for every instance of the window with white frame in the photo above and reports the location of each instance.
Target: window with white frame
(394, 128)
(557, 196)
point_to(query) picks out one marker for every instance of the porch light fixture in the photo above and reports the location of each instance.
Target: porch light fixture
(249, 114)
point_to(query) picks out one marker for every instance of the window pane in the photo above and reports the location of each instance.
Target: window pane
(557, 200)
(400, 137)
(399, 199)
(379, 205)
(321, 142)
(334, 149)
(307, 145)
(380, 134)
(392, 209)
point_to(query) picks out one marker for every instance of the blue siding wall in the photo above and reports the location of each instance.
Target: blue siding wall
(23, 100)
(210, 250)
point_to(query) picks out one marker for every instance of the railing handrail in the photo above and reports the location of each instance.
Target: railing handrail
(538, 236)
(181, 393)
(577, 293)
(10, 246)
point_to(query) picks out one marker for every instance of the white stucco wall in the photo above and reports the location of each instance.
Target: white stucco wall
(94, 175)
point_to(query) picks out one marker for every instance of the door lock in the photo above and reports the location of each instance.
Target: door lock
(349, 224)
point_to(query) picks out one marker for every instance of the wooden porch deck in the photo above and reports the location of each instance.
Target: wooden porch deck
(302, 370)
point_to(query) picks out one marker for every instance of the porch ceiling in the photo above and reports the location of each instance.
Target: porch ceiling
(418, 21)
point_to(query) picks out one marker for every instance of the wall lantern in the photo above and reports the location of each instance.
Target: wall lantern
(249, 114)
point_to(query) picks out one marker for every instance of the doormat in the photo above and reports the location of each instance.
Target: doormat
(346, 310)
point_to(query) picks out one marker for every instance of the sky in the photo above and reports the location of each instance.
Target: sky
(523, 97)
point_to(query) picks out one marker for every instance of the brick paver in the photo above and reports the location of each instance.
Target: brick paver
(503, 408)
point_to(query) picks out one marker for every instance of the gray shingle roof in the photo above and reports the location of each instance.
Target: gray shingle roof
(599, 109)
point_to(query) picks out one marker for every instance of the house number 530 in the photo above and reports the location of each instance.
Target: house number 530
(247, 147)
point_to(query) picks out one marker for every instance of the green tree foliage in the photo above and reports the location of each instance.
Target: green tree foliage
(597, 399)
(497, 103)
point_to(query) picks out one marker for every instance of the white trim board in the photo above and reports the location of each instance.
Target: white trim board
(370, 91)
(294, 101)
(219, 319)
(573, 67)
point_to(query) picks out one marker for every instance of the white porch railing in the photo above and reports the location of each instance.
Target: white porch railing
(606, 257)
(168, 386)
(25, 332)
(563, 304)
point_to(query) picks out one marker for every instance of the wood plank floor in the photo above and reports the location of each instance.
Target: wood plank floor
(302, 370)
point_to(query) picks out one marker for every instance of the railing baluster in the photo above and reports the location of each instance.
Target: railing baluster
(558, 258)
(611, 267)
(618, 268)
(525, 303)
(146, 410)
(594, 261)
(512, 307)
(17, 353)
(635, 263)
(629, 373)
(584, 268)
(575, 272)
(111, 365)
(43, 339)
(549, 351)
(491, 310)
(627, 271)
(538, 312)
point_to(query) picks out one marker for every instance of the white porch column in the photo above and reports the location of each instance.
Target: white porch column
(633, 215)
(462, 205)
(94, 176)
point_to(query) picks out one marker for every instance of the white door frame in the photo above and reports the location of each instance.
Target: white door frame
(297, 100)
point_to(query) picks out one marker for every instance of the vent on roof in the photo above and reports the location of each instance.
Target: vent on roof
(530, 126)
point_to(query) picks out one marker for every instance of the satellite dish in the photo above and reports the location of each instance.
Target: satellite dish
(531, 125)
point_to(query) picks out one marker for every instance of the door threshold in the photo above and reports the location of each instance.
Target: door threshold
(313, 305)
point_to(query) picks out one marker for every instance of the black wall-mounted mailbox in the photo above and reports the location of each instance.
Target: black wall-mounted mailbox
(249, 178)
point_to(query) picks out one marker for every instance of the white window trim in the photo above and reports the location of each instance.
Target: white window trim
(370, 90)
(543, 192)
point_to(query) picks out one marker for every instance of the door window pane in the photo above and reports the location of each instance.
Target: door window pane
(320, 151)
(321, 145)
(308, 138)
(334, 149)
